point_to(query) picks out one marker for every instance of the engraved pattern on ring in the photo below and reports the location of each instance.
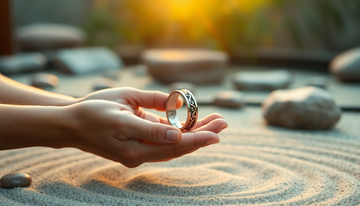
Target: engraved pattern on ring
(192, 110)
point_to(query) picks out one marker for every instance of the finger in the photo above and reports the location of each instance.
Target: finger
(188, 142)
(149, 99)
(216, 125)
(149, 116)
(207, 120)
(199, 123)
(164, 158)
(134, 127)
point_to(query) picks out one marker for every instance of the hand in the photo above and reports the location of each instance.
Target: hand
(125, 133)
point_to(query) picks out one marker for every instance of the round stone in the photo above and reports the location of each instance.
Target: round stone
(304, 108)
(15, 180)
(230, 99)
(47, 36)
(186, 65)
(22, 62)
(262, 80)
(346, 66)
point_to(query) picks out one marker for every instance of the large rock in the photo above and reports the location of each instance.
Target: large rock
(182, 85)
(22, 62)
(346, 66)
(304, 108)
(45, 36)
(262, 80)
(186, 65)
(87, 60)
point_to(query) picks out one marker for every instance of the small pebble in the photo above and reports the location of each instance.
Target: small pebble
(44, 80)
(15, 180)
(230, 99)
(103, 83)
(182, 85)
(111, 74)
(317, 82)
(141, 70)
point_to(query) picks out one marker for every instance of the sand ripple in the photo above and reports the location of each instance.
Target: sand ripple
(266, 167)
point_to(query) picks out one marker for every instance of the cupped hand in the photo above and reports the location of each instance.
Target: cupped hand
(122, 131)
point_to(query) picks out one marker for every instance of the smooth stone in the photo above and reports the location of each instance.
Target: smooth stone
(346, 66)
(182, 85)
(22, 62)
(112, 74)
(130, 53)
(186, 65)
(320, 82)
(103, 83)
(15, 180)
(229, 99)
(141, 70)
(262, 80)
(87, 60)
(46, 36)
(304, 108)
(44, 80)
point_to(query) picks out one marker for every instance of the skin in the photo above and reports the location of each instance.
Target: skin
(110, 123)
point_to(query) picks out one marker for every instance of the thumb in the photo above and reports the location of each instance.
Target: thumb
(138, 128)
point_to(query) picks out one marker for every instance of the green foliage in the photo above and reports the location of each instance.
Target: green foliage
(218, 24)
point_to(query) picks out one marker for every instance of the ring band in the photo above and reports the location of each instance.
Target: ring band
(191, 105)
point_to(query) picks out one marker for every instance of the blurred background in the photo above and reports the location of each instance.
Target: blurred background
(233, 26)
(256, 35)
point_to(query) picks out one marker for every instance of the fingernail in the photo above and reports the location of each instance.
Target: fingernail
(222, 127)
(172, 135)
(212, 141)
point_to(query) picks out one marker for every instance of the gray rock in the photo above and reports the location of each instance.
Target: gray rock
(304, 108)
(45, 36)
(182, 85)
(186, 65)
(22, 62)
(346, 66)
(87, 60)
(103, 83)
(15, 180)
(112, 74)
(141, 70)
(130, 53)
(320, 82)
(262, 81)
(230, 99)
(44, 80)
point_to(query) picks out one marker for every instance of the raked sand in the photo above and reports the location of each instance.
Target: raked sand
(253, 164)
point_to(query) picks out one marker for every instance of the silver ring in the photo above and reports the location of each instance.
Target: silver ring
(191, 105)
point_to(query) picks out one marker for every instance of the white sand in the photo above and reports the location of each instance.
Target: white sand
(253, 164)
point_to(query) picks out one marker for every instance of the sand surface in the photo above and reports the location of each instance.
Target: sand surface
(253, 164)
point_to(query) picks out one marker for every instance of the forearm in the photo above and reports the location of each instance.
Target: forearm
(27, 126)
(12, 92)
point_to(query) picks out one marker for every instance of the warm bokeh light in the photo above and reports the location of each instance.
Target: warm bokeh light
(217, 24)
(181, 9)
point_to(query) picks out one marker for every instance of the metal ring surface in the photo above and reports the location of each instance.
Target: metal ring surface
(191, 105)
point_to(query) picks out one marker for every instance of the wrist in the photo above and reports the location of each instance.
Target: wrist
(28, 126)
